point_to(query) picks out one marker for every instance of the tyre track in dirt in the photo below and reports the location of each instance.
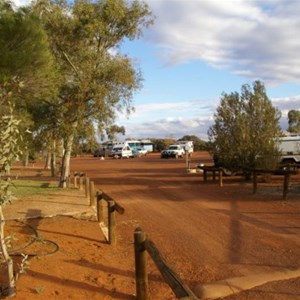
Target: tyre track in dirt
(202, 230)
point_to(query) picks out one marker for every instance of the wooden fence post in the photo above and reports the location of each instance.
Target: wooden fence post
(75, 179)
(87, 187)
(111, 222)
(141, 278)
(81, 181)
(220, 177)
(205, 175)
(99, 207)
(92, 193)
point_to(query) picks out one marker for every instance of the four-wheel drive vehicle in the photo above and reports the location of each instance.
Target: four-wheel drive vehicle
(103, 151)
(173, 151)
(121, 151)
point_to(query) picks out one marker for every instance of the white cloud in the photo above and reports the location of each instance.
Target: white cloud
(165, 110)
(19, 3)
(169, 127)
(285, 104)
(255, 39)
(177, 126)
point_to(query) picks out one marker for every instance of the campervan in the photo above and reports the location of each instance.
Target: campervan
(188, 146)
(289, 146)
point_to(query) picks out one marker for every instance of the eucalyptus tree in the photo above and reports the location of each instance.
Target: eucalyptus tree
(85, 38)
(26, 58)
(25, 73)
(246, 129)
(85, 138)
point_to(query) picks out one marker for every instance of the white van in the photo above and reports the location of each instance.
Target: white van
(121, 151)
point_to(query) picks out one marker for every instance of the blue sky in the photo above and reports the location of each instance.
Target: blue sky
(198, 49)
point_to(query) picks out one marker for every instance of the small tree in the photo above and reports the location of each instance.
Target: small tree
(246, 130)
(294, 121)
(9, 152)
(161, 144)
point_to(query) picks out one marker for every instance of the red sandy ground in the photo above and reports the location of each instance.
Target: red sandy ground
(205, 232)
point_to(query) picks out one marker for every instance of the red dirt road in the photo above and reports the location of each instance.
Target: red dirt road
(207, 233)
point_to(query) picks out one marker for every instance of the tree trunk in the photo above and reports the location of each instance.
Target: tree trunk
(48, 159)
(65, 164)
(11, 289)
(53, 158)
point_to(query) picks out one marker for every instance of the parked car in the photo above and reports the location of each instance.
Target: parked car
(121, 151)
(174, 151)
(104, 150)
(142, 151)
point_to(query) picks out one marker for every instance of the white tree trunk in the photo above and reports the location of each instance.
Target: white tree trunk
(11, 289)
(65, 165)
(48, 159)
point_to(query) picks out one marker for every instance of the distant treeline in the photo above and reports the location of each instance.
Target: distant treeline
(160, 144)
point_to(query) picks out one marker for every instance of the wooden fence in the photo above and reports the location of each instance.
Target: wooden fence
(112, 207)
(217, 172)
(98, 200)
(286, 173)
(141, 243)
(142, 246)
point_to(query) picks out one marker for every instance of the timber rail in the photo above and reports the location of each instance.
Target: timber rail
(142, 246)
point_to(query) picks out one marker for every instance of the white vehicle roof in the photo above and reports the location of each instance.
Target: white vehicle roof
(290, 138)
(119, 145)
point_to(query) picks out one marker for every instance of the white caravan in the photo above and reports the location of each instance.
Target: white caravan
(289, 146)
(188, 146)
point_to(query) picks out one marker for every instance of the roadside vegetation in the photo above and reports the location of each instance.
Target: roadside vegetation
(246, 130)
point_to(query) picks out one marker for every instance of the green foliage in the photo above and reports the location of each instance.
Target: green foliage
(9, 127)
(294, 121)
(27, 64)
(25, 53)
(85, 139)
(98, 81)
(246, 129)
(113, 130)
(161, 144)
(82, 37)
(9, 139)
